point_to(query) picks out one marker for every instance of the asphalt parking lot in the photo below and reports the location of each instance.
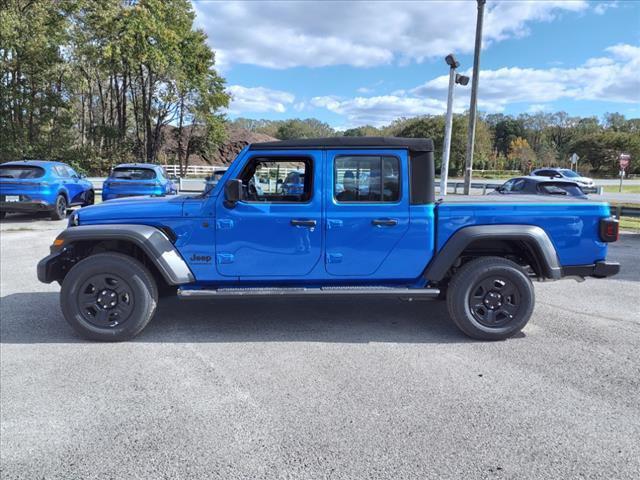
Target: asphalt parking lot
(319, 388)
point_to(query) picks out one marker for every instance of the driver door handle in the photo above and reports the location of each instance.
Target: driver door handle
(385, 222)
(303, 223)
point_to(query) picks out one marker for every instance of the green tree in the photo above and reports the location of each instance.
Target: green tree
(307, 128)
(364, 131)
(35, 115)
(601, 150)
(505, 132)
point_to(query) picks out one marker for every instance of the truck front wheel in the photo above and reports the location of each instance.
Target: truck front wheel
(490, 298)
(108, 297)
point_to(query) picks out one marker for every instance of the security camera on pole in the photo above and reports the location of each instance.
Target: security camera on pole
(446, 148)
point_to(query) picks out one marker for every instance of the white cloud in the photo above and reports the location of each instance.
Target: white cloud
(364, 90)
(613, 78)
(360, 34)
(258, 100)
(378, 110)
(601, 7)
(539, 107)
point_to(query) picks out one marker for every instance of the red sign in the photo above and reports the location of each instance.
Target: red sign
(625, 160)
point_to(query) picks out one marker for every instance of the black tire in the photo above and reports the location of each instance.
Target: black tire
(108, 297)
(59, 209)
(91, 198)
(490, 298)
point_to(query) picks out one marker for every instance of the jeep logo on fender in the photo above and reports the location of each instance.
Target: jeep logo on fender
(195, 258)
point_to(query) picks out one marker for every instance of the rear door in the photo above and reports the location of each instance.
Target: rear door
(74, 185)
(367, 211)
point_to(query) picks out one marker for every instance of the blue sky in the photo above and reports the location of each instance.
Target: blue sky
(356, 63)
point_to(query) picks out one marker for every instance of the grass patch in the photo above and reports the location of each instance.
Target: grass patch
(630, 223)
(625, 188)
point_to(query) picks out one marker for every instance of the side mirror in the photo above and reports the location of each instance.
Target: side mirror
(233, 192)
(500, 189)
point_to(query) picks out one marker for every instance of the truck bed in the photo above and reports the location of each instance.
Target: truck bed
(571, 224)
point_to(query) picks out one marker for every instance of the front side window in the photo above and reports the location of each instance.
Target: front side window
(21, 171)
(364, 178)
(277, 179)
(133, 173)
(518, 186)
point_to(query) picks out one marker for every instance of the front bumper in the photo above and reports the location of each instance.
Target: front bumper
(597, 270)
(51, 268)
(26, 206)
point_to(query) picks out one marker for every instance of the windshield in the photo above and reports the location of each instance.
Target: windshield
(21, 171)
(569, 173)
(132, 173)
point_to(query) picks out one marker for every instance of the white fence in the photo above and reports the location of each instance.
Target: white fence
(192, 170)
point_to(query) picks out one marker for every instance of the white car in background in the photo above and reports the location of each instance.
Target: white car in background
(566, 174)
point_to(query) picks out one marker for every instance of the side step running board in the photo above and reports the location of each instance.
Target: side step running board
(193, 294)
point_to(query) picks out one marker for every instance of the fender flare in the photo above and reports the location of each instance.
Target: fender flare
(534, 237)
(151, 240)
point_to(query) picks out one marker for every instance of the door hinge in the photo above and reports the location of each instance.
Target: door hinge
(334, 257)
(222, 258)
(224, 223)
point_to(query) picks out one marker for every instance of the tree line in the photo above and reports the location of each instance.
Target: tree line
(95, 83)
(98, 83)
(503, 142)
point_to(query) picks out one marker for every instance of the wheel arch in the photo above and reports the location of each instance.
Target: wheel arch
(530, 242)
(143, 242)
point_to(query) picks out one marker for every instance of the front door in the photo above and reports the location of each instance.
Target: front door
(367, 210)
(275, 230)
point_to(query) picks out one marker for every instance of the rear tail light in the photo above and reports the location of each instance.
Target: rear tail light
(609, 230)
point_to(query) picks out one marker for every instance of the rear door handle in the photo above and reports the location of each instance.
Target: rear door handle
(303, 223)
(385, 222)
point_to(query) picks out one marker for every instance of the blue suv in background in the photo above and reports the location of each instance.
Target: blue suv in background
(137, 179)
(42, 186)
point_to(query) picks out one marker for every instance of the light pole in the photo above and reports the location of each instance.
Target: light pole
(468, 162)
(446, 148)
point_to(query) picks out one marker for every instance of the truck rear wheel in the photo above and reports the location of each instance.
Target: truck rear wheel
(490, 298)
(108, 297)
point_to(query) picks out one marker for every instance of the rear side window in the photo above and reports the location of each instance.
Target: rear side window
(21, 171)
(366, 179)
(132, 173)
(560, 189)
(61, 171)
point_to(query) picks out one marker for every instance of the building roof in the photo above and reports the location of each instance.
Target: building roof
(412, 144)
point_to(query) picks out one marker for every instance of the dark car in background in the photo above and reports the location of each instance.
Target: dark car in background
(30, 186)
(137, 179)
(539, 186)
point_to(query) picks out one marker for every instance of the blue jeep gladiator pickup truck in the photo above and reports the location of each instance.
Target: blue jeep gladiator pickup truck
(333, 236)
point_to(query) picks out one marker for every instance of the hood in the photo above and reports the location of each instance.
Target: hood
(133, 208)
(582, 180)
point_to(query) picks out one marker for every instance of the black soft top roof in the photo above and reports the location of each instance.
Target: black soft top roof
(411, 144)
